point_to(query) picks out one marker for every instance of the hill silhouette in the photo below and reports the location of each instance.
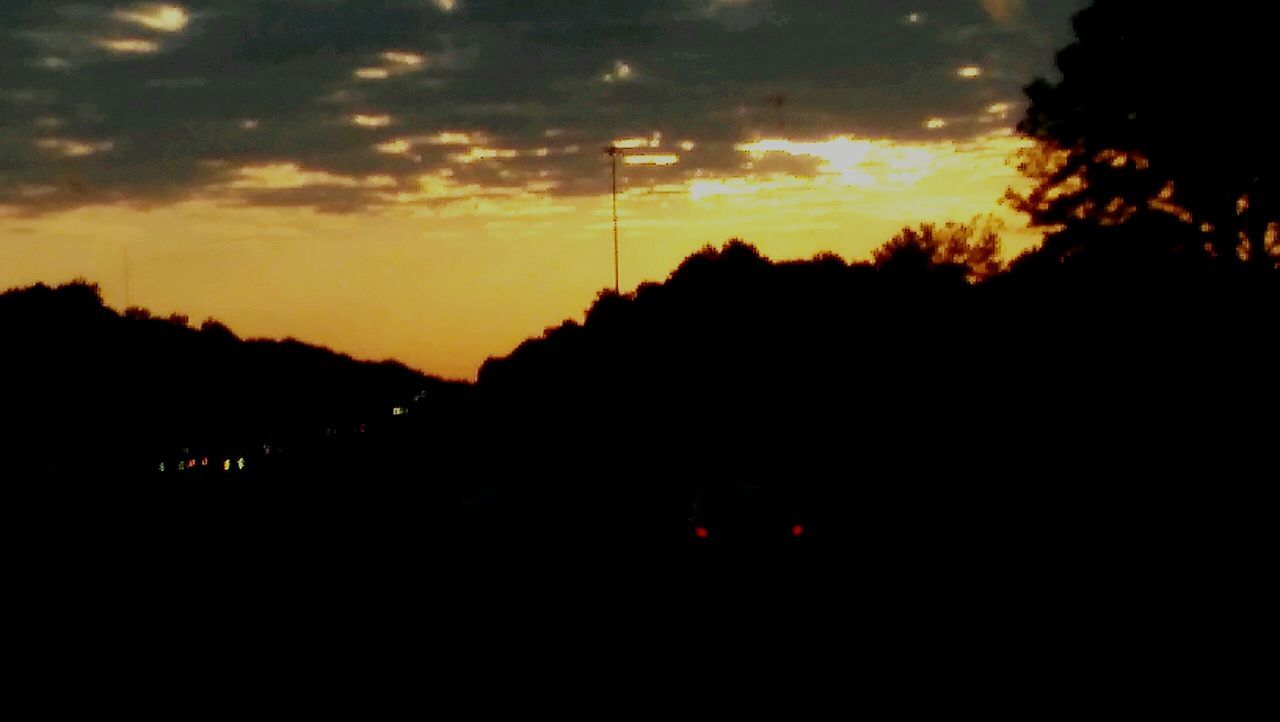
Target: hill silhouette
(1122, 373)
(1120, 383)
(94, 392)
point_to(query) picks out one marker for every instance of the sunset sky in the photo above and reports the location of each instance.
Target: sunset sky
(423, 179)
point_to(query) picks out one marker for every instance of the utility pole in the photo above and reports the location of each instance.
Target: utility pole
(613, 152)
(128, 298)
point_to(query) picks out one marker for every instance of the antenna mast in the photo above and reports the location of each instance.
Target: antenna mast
(613, 152)
(128, 299)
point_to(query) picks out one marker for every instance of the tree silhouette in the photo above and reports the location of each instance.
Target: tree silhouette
(1161, 110)
(971, 250)
(91, 389)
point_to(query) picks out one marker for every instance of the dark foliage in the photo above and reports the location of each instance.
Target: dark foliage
(894, 404)
(1161, 111)
(930, 408)
(90, 391)
(902, 388)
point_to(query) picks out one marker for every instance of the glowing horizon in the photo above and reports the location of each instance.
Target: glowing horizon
(448, 272)
(425, 180)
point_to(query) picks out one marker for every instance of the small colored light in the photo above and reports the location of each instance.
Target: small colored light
(162, 467)
(204, 461)
(226, 464)
(797, 530)
(701, 532)
(240, 463)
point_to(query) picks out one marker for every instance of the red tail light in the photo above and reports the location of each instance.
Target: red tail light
(701, 532)
(797, 530)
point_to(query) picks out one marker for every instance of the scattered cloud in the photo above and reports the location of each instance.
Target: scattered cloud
(494, 91)
(158, 17)
(399, 146)
(363, 120)
(74, 148)
(129, 46)
(660, 159)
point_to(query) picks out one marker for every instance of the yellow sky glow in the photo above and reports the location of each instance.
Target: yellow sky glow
(450, 272)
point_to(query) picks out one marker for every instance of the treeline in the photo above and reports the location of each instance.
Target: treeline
(89, 391)
(907, 366)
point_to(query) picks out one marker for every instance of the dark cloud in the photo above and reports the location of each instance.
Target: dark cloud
(98, 107)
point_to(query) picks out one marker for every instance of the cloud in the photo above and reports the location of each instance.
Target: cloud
(158, 17)
(129, 45)
(188, 92)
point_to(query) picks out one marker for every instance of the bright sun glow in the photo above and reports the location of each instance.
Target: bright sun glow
(864, 162)
(472, 266)
(843, 156)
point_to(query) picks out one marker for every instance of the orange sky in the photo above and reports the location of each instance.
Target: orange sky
(445, 277)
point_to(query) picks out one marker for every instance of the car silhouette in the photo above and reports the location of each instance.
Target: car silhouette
(748, 514)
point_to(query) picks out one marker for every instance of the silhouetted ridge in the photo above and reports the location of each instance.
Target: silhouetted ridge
(779, 361)
(91, 389)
